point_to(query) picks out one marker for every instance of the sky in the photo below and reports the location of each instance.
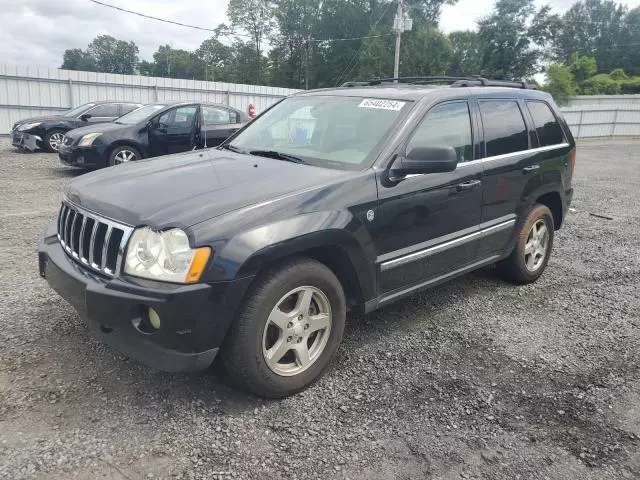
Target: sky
(37, 32)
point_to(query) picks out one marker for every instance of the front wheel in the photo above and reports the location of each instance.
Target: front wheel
(123, 154)
(53, 140)
(288, 329)
(533, 247)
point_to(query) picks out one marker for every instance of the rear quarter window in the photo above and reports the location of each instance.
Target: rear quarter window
(547, 126)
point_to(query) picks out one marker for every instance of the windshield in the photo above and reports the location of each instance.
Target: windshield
(74, 112)
(139, 114)
(326, 131)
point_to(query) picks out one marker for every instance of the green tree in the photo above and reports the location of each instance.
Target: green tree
(425, 51)
(592, 28)
(427, 11)
(630, 42)
(256, 18)
(78, 59)
(175, 63)
(112, 55)
(601, 84)
(560, 83)
(513, 39)
(214, 59)
(466, 53)
(582, 67)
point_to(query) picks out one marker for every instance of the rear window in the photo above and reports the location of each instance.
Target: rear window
(504, 127)
(547, 126)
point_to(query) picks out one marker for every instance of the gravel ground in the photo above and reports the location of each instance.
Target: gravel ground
(473, 379)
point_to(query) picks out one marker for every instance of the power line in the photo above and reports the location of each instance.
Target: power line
(356, 56)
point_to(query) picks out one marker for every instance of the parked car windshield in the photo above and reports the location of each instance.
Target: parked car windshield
(326, 131)
(74, 112)
(140, 114)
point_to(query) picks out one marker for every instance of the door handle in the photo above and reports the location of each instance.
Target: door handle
(530, 168)
(470, 185)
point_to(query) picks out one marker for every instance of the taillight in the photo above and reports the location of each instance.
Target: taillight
(572, 164)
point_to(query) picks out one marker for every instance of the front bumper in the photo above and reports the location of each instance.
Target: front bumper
(24, 140)
(86, 157)
(194, 318)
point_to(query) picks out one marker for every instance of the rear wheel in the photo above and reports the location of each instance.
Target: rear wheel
(53, 140)
(533, 247)
(288, 329)
(123, 154)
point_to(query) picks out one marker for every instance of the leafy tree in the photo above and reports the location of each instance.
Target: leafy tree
(582, 67)
(466, 53)
(513, 38)
(214, 60)
(592, 28)
(112, 55)
(560, 83)
(427, 11)
(630, 42)
(425, 51)
(77, 59)
(601, 84)
(175, 63)
(255, 17)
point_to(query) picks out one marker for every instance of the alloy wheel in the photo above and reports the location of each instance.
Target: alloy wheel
(297, 331)
(55, 140)
(124, 156)
(535, 249)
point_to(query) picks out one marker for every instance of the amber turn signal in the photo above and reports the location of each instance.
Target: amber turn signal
(198, 264)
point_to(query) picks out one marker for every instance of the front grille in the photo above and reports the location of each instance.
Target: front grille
(93, 241)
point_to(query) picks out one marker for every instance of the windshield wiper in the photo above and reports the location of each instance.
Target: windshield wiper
(233, 148)
(278, 156)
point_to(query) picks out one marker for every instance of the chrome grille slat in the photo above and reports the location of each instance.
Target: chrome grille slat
(81, 252)
(105, 248)
(99, 255)
(92, 258)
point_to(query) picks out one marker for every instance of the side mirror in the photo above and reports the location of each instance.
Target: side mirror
(425, 160)
(85, 116)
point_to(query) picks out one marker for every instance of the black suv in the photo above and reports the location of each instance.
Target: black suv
(151, 131)
(331, 200)
(46, 132)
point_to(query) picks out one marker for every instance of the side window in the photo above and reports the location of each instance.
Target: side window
(547, 126)
(446, 125)
(218, 116)
(128, 107)
(104, 110)
(504, 127)
(181, 117)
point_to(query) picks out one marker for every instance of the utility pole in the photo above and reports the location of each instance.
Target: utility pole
(401, 23)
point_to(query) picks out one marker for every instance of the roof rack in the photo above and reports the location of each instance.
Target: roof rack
(472, 81)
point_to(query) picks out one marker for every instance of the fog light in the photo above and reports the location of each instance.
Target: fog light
(154, 318)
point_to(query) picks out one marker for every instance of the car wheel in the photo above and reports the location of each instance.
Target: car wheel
(531, 254)
(123, 154)
(287, 330)
(52, 140)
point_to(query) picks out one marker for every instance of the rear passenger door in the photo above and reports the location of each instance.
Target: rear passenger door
(512, 163)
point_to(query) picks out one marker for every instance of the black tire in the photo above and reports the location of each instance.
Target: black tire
(118, 150)
(46, 141)
(242, 352)
(514, 267)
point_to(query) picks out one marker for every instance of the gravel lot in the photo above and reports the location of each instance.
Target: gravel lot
(473, 379)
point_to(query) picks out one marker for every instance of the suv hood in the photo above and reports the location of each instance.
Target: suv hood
(185, 189)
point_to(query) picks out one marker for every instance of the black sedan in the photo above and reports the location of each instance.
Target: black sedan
(151, 131)
(46, 132)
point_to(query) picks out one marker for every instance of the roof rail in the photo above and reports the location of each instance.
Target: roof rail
(471, 81)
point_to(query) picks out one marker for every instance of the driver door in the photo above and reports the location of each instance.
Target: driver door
(426, 223)
(173, 131)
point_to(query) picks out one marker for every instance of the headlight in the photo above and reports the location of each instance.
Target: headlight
(28, 126)
(165, 256)
(88, 139)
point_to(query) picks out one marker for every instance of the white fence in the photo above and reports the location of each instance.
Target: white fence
(603, 115)
(33, 91)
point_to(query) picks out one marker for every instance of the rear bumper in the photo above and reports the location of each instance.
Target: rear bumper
(86, 157)
(194, 318)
